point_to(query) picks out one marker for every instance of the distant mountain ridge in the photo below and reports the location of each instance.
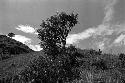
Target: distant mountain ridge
(9, 47)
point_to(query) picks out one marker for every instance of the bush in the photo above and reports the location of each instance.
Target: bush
(48, 70)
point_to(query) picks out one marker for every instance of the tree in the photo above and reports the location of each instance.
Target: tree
(53, 68)
(54, 32)
(11, 34)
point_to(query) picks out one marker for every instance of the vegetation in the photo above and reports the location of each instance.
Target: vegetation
(9, 47)
(54, 32)
(97, 68)
(11, 34)
(61, 64)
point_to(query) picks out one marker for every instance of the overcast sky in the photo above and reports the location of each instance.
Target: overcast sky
(101, 21)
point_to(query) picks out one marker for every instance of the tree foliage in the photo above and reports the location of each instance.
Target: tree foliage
(11, 34)
(60, 64)
(69, 63)
(46, 70)
(55, 30)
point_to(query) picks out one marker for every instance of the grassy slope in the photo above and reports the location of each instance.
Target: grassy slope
(12, 47)
(88, 76)
(16, 64)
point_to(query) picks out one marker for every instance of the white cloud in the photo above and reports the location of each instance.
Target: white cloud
(35, 47)
(120, 28)
(109, 11)
(22, 39)
(100, 30)
(26, 29)
(101, 45)
(120, 39)
(27, 41)
(75, 38)
(103, 29)
(106, 28)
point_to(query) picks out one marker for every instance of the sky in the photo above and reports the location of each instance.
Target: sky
(101, 22)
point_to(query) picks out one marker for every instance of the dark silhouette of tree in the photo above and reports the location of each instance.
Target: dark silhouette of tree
(54, 32)
(11, 34)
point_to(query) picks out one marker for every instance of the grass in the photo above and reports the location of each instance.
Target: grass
(115, 73)
(15, 64)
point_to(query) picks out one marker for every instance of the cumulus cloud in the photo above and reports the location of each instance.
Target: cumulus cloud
(22, 39)
(102, 30)
(35, 47)
(27, 29)
(27, 41)
(75, 38)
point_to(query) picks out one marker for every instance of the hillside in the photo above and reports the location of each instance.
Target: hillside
(95, 66)
(16, 57)
(10, 47)
(14, 65)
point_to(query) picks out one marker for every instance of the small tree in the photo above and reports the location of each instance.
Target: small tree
(59, 69)
(54, 32)
(11, 34)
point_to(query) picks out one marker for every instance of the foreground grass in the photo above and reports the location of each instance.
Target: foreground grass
(107, 68)
(94, 68)
(12, 66)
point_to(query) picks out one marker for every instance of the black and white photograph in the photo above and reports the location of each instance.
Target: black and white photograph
(62, 41)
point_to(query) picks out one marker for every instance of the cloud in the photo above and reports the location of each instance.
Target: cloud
(101, 45)
(75, 38)
(27, 29)
(101, 30)
(22, 39)
(106, 28)
(35, 47)
(27, 41)
(90, 32)
(120, 39)
(109, 11)
(120, 28)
